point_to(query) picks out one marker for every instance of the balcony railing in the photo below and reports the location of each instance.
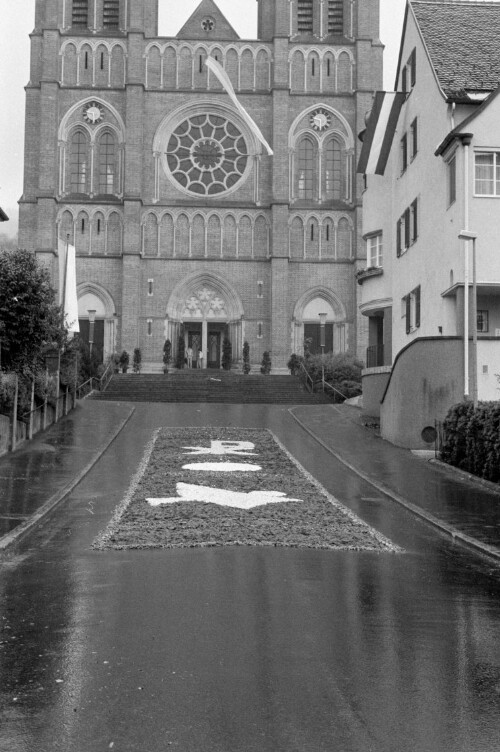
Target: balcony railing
(374, 356)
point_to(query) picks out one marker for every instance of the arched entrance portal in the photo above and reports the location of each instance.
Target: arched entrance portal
(96, 316)
(307, 322)
(206, 308)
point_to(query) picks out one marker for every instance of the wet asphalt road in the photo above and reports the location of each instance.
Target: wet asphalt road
(245, 650)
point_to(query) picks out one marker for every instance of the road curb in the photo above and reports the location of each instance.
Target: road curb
(443, 527)
(25, 527)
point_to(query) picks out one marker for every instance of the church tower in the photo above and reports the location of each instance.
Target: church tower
(184, 225)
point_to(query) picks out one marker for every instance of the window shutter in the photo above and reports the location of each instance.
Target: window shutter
(414, 207)
(417, 307)
(403, 79)
(414, 134)
(413, 67)
(398, 238)
(408, 313)
(407, 228)
(404, 152)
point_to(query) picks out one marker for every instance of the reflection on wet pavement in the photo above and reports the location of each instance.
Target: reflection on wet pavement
(245, 650)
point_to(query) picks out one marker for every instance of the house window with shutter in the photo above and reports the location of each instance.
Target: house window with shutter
(407, 228)
(411, 309)
(409, 73)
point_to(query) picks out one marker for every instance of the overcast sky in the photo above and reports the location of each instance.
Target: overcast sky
(17, 23)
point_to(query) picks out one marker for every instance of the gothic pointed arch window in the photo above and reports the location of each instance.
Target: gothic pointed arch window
(79, 162)
(307, 164)
(333, 170)
(108, 164)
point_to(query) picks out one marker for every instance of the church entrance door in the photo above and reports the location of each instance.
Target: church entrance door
(195, 342)
(213, 355)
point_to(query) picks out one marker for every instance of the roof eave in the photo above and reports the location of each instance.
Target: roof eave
(452, 136)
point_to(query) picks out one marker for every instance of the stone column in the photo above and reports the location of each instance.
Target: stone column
(204, 342)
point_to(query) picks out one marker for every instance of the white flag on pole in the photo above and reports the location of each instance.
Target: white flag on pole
(68, 298)
(221, 74)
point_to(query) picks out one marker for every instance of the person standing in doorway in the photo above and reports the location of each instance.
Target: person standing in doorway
(189, 356)
(200, 358)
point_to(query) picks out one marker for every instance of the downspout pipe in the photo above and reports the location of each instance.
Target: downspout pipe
(466, 141)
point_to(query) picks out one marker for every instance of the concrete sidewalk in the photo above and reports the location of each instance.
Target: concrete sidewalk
(39, 475)
(460, 505)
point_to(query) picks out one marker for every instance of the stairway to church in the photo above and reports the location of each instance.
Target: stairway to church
(208, 386)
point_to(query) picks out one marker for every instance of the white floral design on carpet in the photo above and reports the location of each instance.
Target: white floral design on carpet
(265, 499)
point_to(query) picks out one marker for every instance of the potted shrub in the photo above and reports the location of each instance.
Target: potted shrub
(265, 367)
(294, 364)
(124, 360)
(246, 358)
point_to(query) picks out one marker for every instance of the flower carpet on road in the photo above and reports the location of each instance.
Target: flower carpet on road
(230, 486)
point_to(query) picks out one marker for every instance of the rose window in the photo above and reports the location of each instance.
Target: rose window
(207, 155)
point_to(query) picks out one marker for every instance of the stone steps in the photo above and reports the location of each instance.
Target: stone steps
(208, 386)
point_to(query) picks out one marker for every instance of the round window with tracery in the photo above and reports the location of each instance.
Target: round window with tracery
(207, 155)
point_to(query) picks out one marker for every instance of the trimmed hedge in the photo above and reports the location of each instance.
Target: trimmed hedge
(472, 439)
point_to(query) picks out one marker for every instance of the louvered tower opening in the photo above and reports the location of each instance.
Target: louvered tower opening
(111, 14)
(80, 13)
(336, 17)
(305, 16)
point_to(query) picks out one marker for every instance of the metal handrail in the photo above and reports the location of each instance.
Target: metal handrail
(308, 376)
(333, 388)
(106, 376)
(324, 384)
(85, 383)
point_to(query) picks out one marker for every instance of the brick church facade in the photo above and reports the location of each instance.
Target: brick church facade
(181, 220)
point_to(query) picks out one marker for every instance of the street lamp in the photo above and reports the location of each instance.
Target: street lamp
(467, 235)
(91, 329)
(322, 322)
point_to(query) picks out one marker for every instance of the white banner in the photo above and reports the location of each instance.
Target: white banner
(221, 74)
(68, 298)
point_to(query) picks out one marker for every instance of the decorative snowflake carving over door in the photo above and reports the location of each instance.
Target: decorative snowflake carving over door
(205, 303)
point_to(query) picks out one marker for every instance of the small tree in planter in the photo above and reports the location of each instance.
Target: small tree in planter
(137, 360)
(265, 367)
(124, 361)
(246, 358)
(227, 354)
(167, 355)
(181, 351)
(294, 364)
